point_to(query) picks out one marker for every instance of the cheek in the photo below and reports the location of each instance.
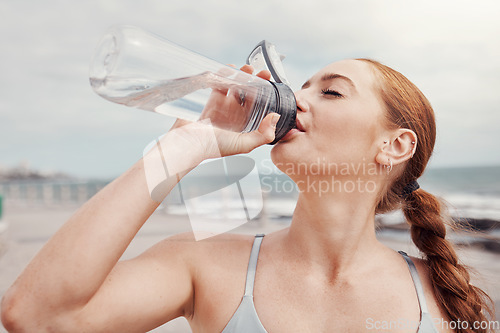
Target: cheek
(346, 136)
(343, 135)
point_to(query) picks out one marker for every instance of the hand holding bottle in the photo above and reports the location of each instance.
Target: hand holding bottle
(230, 106)
(211, 141)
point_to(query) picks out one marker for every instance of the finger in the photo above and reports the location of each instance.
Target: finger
(224, 72)
(220, 91)
(239, 94)
(264, 134)
(179, 123)
(247, 69)
(264, 74)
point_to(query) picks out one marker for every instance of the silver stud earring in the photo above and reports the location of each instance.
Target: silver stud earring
(413, 142)
(386, 141)
(389, 168)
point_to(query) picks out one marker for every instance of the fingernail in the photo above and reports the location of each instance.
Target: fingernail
(275, 119)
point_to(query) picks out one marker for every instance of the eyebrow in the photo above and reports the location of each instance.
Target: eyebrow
(331, 76)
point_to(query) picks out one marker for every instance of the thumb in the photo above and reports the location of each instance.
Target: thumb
(264, 134)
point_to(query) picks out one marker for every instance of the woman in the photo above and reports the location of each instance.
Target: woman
(325, 273)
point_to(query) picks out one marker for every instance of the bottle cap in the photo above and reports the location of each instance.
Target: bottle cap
(286, 106)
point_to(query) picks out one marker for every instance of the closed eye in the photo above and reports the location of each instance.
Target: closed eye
(331, 93)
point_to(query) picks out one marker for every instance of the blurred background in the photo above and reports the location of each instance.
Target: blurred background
(51, 121)
(60, 142)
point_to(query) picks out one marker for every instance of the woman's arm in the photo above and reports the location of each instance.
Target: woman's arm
(72, 267)
(75, 283)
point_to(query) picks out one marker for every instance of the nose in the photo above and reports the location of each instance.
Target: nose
(302, 104)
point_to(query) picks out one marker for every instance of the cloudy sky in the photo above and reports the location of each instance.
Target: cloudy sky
(50, 117)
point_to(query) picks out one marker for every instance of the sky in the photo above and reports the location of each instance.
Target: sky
(51, 119)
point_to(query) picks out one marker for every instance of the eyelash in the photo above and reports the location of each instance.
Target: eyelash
(331, 92)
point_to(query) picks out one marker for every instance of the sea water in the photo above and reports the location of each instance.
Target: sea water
(472, 193)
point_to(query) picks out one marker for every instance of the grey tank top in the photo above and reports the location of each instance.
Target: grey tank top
(246, 320)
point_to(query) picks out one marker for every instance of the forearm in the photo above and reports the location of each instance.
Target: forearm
(73, 265)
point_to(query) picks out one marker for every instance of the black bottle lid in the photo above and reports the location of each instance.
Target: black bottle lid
(286, 106)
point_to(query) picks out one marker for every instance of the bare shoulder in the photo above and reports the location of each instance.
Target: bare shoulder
(425, 278)
(217, 268)
(437, 312)
(221, 247)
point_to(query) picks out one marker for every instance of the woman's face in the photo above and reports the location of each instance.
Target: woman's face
(340, 119)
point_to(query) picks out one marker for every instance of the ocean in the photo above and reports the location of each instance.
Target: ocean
(471, 192)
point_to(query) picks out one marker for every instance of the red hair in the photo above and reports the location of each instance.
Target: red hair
(407, 107)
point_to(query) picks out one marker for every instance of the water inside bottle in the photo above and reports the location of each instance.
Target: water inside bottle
(229, 104)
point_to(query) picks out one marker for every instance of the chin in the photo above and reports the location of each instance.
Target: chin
(281, 154)
(287, 157)
(298, 160)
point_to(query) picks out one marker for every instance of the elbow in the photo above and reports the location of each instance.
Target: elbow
(10, 313)
(19, 314)
(15, 312)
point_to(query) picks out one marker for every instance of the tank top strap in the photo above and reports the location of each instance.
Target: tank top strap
(252, 264)
(416, 281)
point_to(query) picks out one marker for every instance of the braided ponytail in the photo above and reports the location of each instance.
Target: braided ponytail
(407, 107)
(450, 279)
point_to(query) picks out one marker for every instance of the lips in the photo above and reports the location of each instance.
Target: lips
(298, 128)
(298, 125)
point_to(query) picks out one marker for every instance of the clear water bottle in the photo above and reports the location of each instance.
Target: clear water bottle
(138, 69)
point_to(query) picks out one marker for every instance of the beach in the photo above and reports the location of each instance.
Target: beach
(27, 228)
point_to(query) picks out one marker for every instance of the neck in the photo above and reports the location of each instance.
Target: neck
(333, 231)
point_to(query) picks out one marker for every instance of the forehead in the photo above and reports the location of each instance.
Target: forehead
(360, 72)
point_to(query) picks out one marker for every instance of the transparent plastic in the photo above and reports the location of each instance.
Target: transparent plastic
(138, 69)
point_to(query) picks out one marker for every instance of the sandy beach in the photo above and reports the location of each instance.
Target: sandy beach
(24, 231)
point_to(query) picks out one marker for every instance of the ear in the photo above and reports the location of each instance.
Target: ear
(399, 148)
